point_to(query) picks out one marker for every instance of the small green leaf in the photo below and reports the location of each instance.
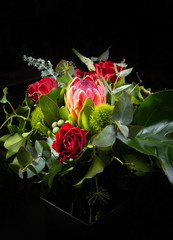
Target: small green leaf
(124, 130)
(123, 110)
(24, 157)
(65, 68)
(64, 113)
(88, 103)
(103, 57)
(88, 62)
(105, 138)
(125, 72)
(120, 89)
(86, 116)
(4, 99)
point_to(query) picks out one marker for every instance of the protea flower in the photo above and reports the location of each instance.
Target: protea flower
(80, 89)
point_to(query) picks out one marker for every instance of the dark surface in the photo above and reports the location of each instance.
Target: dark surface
(147, 216)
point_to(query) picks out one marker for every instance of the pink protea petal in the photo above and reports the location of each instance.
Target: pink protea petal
(70, 94)
(89, 93)
(78, 106)
(82, 96)
(97, 97)
(80, 89)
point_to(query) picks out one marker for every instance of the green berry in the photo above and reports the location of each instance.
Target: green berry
(60, 122)
(55, 130)
(54, 124)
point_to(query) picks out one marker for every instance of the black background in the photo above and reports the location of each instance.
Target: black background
(139, 31)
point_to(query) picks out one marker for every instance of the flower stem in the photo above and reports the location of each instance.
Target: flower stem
(19, 116)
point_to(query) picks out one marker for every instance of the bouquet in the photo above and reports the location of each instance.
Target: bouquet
(73, 125)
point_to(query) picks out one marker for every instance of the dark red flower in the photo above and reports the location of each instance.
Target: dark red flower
(106, 69)
(69, 141)
(102, 69)
(41, 87)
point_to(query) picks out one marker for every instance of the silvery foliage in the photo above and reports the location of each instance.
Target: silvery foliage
(46, 68)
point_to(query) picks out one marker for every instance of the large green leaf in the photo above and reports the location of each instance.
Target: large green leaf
(155, 108)
(154, 140)
(106, 138)
(13, 144)
(49, 109)
(123, 110)
(97, 166)
(156, 114)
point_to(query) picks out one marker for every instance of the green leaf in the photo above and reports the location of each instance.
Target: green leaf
(155, 108)
(88, 103)
(103, 57)
(56, 168)
(24, 157)
(88, 62)
(42, 149)
(121, 88)
(86, 116)
(64, 113)
(49, 109)
(124, 130)
(106, 138)
(123, 110)
(153, 140)
(64, 79)
(13, 144)
(54, 155)
(54, 93)
(4, 99)
(66, 69)
(135, 91)
(138, 163)
(125, 72)
(97, 166)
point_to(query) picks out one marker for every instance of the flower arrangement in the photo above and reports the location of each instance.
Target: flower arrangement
(73, 124)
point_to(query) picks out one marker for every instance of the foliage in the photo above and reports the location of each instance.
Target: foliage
(133, 130)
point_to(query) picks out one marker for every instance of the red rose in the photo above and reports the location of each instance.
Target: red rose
(69, 142)
(83, 74)
(106, 69)
(41, 87)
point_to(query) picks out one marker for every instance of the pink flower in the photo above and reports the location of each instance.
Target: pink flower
(81, 89)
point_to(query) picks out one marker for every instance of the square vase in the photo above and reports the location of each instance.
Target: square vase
(61, 223)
